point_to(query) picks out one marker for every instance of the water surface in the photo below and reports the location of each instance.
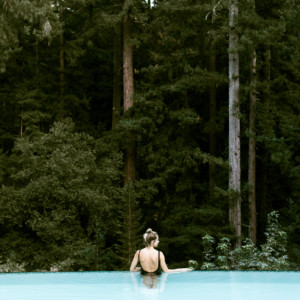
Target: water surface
(131, 285)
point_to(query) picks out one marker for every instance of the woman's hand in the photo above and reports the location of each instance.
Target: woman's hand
(187, 269)
(167, 270)
(134, 262)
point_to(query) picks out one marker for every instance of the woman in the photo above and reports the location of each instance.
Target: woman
(150, 259)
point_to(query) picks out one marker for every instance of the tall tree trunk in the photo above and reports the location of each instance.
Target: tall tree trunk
(129, 171)
(265, 156)
(61, 62)
(234, 124)
(263, 192)
(252, 153)
(117, 75)
(212, 118)
(128, 96)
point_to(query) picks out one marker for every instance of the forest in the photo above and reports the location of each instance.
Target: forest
(178, 115)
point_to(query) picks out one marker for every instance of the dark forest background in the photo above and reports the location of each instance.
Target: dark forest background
(84, 172)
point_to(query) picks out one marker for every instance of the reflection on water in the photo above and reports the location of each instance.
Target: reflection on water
(150, 281)
(149, 284)
(131, 285)
(235, 289)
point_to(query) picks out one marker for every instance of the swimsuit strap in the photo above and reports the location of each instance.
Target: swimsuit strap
(158, 260)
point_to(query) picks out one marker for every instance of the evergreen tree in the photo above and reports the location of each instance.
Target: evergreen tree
(62, 194)
(178, 125)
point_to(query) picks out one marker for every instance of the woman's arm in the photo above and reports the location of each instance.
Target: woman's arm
(134, 262)
(166, 269)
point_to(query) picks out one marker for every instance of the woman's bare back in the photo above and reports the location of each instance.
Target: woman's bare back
(149, 259)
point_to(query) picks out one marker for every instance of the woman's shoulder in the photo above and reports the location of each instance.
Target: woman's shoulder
(140, 250)
(137, 252)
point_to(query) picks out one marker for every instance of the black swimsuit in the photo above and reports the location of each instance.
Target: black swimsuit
(156, 272)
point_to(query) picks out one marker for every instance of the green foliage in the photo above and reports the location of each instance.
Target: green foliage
(62, 196)
(14, 14)
(246, 257)
(193, 264)
(223, 250)
(130, 230)
(273, 252)
(61, 190)
(12, 267)
(208, 251)
(271, 256)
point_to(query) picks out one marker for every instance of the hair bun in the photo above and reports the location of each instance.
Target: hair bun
(149, 230)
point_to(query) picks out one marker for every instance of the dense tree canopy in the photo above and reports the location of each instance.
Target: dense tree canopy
(66, 129)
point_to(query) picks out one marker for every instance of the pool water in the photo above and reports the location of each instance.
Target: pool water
(131, 285)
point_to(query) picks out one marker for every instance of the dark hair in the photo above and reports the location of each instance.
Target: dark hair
(149, 236)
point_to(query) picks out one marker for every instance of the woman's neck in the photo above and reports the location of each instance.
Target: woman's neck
(150, 247)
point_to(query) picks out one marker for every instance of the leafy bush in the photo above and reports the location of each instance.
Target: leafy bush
(62, 195)
(273, 253)
(208, 253)
(11, 267)
(245, 257)
(223, 249)
(271, 256)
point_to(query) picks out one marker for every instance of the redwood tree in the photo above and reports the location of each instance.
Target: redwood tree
(129, 171)
(128, 87)
(252, 153)
(117, 74)
(234, 123)
(252, 147)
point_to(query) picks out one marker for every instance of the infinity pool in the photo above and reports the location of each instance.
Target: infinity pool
(131, 285)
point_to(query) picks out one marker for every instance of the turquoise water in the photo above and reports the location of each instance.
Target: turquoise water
(131, 285)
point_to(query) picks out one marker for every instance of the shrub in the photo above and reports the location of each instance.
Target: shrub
(208, 253)
(11, 267)
(271, 256)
